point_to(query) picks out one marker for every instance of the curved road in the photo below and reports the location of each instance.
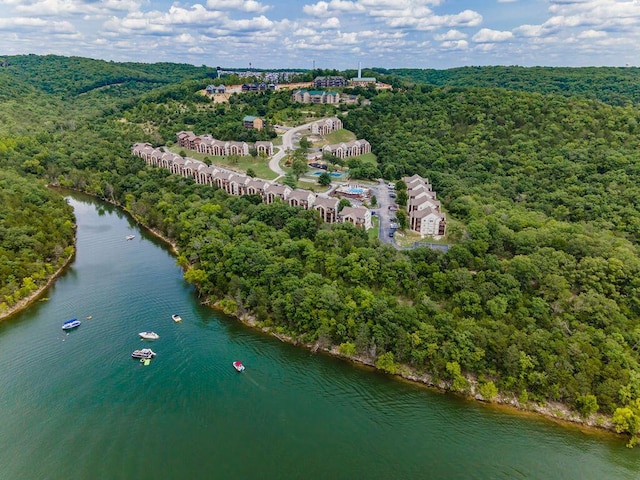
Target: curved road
(287, 145)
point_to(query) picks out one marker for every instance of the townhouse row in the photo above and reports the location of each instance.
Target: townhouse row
(423, 209)
(210, 146)
(238, 184)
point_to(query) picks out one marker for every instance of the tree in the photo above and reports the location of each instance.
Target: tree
(290, 180)
(402, 197)
(386, 363)
(627, 420)
(403, 219)
(299, 167)
(251, 172)
(374, 201)
(587, 405)
(344, 202)
(324, 179)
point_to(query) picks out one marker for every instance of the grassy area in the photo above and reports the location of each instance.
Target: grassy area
(277, 140)
(259, 165)
(339, 136)
(408, 238)
(312, 186)
(373, 232)
(368, 158)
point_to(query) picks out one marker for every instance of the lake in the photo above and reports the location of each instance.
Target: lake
(76, 405)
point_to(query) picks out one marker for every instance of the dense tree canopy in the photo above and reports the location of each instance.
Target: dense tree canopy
(539, 297)
(36, 236)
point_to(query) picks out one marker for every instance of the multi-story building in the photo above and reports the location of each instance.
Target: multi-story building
(329, 82)
(349, 149)
(315, 96)
(423, 209)
(326, 125)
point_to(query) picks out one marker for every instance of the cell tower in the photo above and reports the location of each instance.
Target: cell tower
(359, 69)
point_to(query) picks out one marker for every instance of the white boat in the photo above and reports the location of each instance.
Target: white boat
(130, 237)
(238, 366)
(143, 353)
(176, 317)
(149, 335)
(69, 324)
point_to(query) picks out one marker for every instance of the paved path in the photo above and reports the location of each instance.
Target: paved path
(287, 145)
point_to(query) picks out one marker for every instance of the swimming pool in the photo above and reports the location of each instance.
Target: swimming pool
(333, 174)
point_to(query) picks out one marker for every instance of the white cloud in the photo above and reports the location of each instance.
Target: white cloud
(242, 5)
(333, 22)
(486, 35)
(450, 35)
(74, 7)
(44, 25)
(592, 34)
(455, 45)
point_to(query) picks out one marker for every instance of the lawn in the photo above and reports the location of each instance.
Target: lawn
(339, 136)
(312, 186)
(373, 232)
(368, 158)
(259, 165)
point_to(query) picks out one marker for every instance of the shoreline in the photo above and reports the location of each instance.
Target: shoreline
(552, 411)
(556, 412)
(35, 295)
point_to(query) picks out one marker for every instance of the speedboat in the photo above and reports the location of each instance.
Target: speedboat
(143, 353)
(69, 324)
(149, 335)
(176, 317)
(130, 237)
(238, 366)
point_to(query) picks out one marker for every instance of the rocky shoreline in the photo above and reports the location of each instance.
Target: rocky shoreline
(28, 300)
(555, 411)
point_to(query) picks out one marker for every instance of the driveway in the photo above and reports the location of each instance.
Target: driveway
(385, 215)
(287, 145)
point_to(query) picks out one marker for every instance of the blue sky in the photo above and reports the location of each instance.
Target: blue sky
(329, 33)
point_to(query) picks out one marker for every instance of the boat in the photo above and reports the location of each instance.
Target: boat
(89, 317)
(176, 317)
(144, 353)
(69, 324)
(130, 237)
(238, 366)
(149, 335)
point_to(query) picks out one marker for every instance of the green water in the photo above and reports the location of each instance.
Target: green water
(78, 406)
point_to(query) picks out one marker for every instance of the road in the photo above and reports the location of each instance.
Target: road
(381, 191)
(287, 145)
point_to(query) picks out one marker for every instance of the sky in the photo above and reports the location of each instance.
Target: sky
(340, 34)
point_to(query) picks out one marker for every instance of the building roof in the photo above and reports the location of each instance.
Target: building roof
(354, 212)
(426, 212)
(326, 202)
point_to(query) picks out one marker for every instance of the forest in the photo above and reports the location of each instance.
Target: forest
(538, 299)
(615, 86)
(36, 236)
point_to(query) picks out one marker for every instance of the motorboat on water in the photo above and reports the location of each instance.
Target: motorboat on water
(238, 366)
(145, 353)
(176, 317)
(69, 324)
(130, 237)
(149, 335)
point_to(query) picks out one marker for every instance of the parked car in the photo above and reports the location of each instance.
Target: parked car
(392, 195)
(391, 233)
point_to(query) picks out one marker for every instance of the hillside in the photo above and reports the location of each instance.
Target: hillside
(615, 86)
(539, 298)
